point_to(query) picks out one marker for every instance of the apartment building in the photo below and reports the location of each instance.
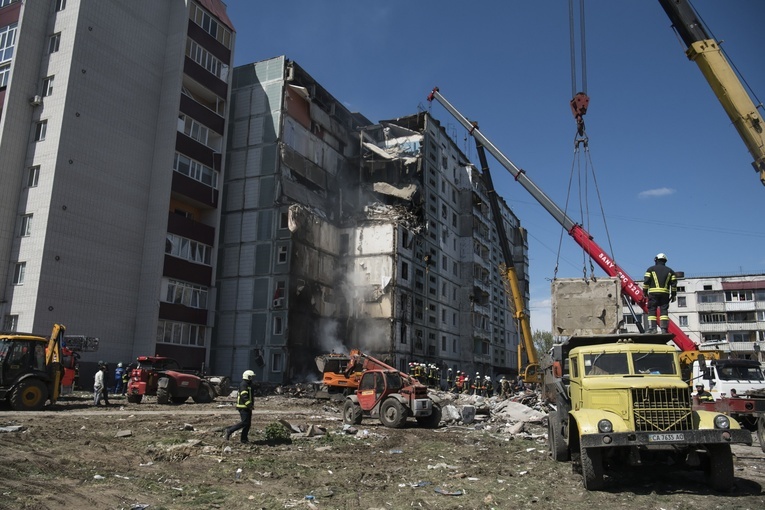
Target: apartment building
(339, 233)
(112, 129)
(726, 313)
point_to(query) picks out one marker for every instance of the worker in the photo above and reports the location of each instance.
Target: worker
(449, 379)
(118, 381)
(504, 387)
(244, 406)
(99, 386)
(488, 387)
(660, 284)
(702, 394)
(125, 379)
(734, 393)
(476, 384)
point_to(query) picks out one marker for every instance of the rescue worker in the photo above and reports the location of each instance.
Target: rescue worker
(660, 285)
(125, 380)
(504, 387)
(488, 387)
(476, 384)
(449, 380)
(702, 394)
(118, 379)
(244, 406)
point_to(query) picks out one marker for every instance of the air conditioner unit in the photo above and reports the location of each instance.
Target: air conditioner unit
(36, 101)
(278, 302)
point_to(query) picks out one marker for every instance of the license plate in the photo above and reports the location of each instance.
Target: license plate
(659, 438)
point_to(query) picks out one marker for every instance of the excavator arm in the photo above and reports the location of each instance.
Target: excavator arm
(708, 55)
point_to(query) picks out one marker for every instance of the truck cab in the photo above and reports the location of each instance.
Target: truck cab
(722, 375)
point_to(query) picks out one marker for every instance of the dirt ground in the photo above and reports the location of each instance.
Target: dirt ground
(136, 456)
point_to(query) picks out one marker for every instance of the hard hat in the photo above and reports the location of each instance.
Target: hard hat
(248, 375)
(119, 365)
(661, 256)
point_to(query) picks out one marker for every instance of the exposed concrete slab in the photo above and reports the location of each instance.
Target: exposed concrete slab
(586, 307)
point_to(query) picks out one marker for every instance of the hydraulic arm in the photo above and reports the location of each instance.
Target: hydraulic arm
(581, 237)
(706, 52)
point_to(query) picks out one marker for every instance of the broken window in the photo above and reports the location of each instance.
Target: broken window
(404, 271)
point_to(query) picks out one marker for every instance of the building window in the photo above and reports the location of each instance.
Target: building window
(188, 249)
(276, 361)
(7, 45)
(5, 73)
(210, 25)
(60, 5)
(33, 176)
(278, 325)
(182, 293)
(683, 320)
(47, 87)
(738, 295)
(681, 302)
(40, 130)
(53, 42)
(443, 343)
(205, 59)
(180, 333)
(281, 256)
(18, 273)
(404, 271)
(196, 170)
(26, 225)
(10, 323)
(284, 221)
(3, 3)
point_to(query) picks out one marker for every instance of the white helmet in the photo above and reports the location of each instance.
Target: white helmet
(661, 256)
(248, 375)
(119, 365)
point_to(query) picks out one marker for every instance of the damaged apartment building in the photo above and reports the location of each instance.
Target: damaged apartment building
(339, 234)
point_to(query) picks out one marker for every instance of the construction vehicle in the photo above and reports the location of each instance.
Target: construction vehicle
(31, 369)
(341, 374)
(708, 55)
(71, 347)
(745, 377)
(530, 369)
(620, 400)
(377, 390)
(164, 377)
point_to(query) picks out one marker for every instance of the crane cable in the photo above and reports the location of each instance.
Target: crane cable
(579, 105)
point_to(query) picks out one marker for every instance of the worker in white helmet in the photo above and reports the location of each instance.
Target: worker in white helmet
(244, 406)
(660, 285)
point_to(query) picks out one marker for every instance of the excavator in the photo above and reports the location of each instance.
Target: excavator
(32, 368)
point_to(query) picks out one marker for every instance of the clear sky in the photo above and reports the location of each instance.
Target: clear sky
(672, 173)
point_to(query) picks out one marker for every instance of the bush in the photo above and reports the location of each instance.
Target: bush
(277, 433)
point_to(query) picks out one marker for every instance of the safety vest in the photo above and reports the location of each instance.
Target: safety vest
(659, 279)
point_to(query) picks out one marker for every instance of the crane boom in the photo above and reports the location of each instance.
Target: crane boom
(580, 235)
(708, 55)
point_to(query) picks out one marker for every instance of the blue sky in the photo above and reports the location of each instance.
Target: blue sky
(672, 172)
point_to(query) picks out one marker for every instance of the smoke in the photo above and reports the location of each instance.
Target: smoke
(328, 339)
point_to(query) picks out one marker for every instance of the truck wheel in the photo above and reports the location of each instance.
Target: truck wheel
(351, 413)
(433, 420)
(592, 468)
(392, 414)
(555, 440)
(29, 395)
(163, 391)
(134, 399)
(205, 395)
(720, 470)
(761, 431)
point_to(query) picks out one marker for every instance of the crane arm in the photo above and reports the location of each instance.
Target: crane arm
(708, 55)
(580, 235)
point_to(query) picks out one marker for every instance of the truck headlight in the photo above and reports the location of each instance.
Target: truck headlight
(605, 426)
(722, 422)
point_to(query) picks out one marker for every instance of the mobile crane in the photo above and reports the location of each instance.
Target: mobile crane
(580, 235)
(530, 370)
(708, 55)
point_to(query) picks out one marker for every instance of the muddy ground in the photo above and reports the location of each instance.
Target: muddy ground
(135, 456)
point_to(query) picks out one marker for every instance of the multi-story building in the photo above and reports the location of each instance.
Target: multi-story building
(341, 234)
(112, 130)
(726, 313)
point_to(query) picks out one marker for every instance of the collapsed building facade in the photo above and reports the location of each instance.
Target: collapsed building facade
(339, 233)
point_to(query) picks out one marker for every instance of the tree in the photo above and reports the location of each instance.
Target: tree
(543, 341)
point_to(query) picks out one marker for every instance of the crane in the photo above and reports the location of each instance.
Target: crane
(575, 230)
(706, 52)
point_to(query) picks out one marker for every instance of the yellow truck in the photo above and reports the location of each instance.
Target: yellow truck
(620, 400)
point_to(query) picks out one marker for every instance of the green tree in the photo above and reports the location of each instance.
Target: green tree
(543, 341)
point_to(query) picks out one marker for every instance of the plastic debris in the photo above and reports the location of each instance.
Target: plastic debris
(445, 492)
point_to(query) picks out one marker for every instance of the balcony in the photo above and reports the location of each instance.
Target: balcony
(739, 306)
(715, 327)
(711, 307)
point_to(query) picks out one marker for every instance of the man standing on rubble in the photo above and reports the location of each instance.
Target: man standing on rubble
(244, 406)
